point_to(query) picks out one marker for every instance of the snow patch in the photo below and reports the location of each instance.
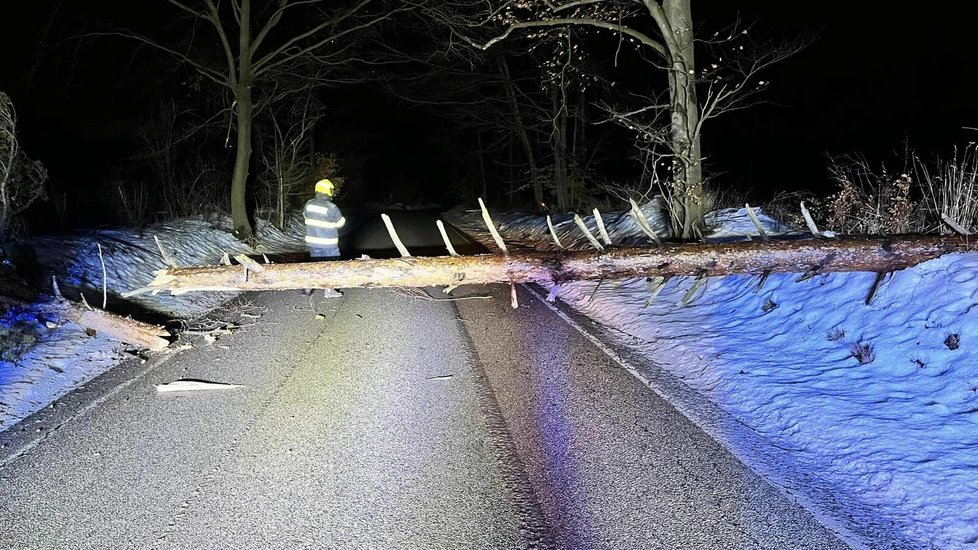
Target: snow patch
(63, 358)
(898, 435)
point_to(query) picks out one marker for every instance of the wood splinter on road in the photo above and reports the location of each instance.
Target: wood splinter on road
(187, 384)
(869, 254)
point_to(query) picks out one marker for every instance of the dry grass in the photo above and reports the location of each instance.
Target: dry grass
(862, 352)
(950, 189)
(879, 201)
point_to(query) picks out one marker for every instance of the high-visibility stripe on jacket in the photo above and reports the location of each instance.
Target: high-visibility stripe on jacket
(322, 241)
(323, 221)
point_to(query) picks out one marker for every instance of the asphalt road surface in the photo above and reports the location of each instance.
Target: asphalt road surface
(385, 419)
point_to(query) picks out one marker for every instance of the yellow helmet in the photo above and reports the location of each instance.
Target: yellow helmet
(325, 187)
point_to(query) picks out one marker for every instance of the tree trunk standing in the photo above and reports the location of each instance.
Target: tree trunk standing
(560, 154)
(8, 158)
(244, 112)
(280, 202)
(242, 158)
(535, 180)
(687, 169)
(482, 163)
(562, 148)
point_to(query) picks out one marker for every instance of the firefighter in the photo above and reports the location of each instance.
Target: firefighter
(323, 223)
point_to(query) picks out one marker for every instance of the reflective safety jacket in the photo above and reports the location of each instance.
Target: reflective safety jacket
(323, 222)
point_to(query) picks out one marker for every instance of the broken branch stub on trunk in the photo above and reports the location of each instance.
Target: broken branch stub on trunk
(871, 254)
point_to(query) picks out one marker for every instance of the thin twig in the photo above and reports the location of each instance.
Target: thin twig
(812, 272)
(690, 294)
(248, 263)
(590, 298)
(875, 288)
(656, 284)
(761, 281)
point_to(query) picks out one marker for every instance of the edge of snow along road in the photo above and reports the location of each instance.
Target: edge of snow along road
(44, 423)
(751, 449)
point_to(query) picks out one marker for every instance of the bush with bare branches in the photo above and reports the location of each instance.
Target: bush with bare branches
(176, 172)
(869, 201)
(923, 197)
(21, 179)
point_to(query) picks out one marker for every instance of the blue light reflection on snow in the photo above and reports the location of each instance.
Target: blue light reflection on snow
(13, 323)
(898, 434)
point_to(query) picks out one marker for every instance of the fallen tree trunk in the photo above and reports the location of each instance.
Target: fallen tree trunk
(872, 254)
(118, 328)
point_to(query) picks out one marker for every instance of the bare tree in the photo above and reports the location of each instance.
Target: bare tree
(267, 51)
(288, 133)
(21, 179)
(663, 34)
(175, 145)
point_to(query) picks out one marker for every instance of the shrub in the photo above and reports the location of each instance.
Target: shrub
(870, 202)
(862, 352)
(920, 198)
(21, 179)
(18, 333)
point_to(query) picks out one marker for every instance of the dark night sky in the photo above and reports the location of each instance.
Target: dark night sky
(876, 75)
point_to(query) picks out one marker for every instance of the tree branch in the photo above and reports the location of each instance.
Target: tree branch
(269, 57)
(266, 63)
(205, 71)
(215, 19)
(646, 40)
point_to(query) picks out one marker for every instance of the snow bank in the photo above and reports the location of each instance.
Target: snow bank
(132, 258)
(898, 436)
(65, 357)
(528, 231)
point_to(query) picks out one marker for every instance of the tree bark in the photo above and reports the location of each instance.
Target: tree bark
(244, 112)
(561, 184)
(753, 257)
(535, 180)
(687, 170)
(118, 328)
